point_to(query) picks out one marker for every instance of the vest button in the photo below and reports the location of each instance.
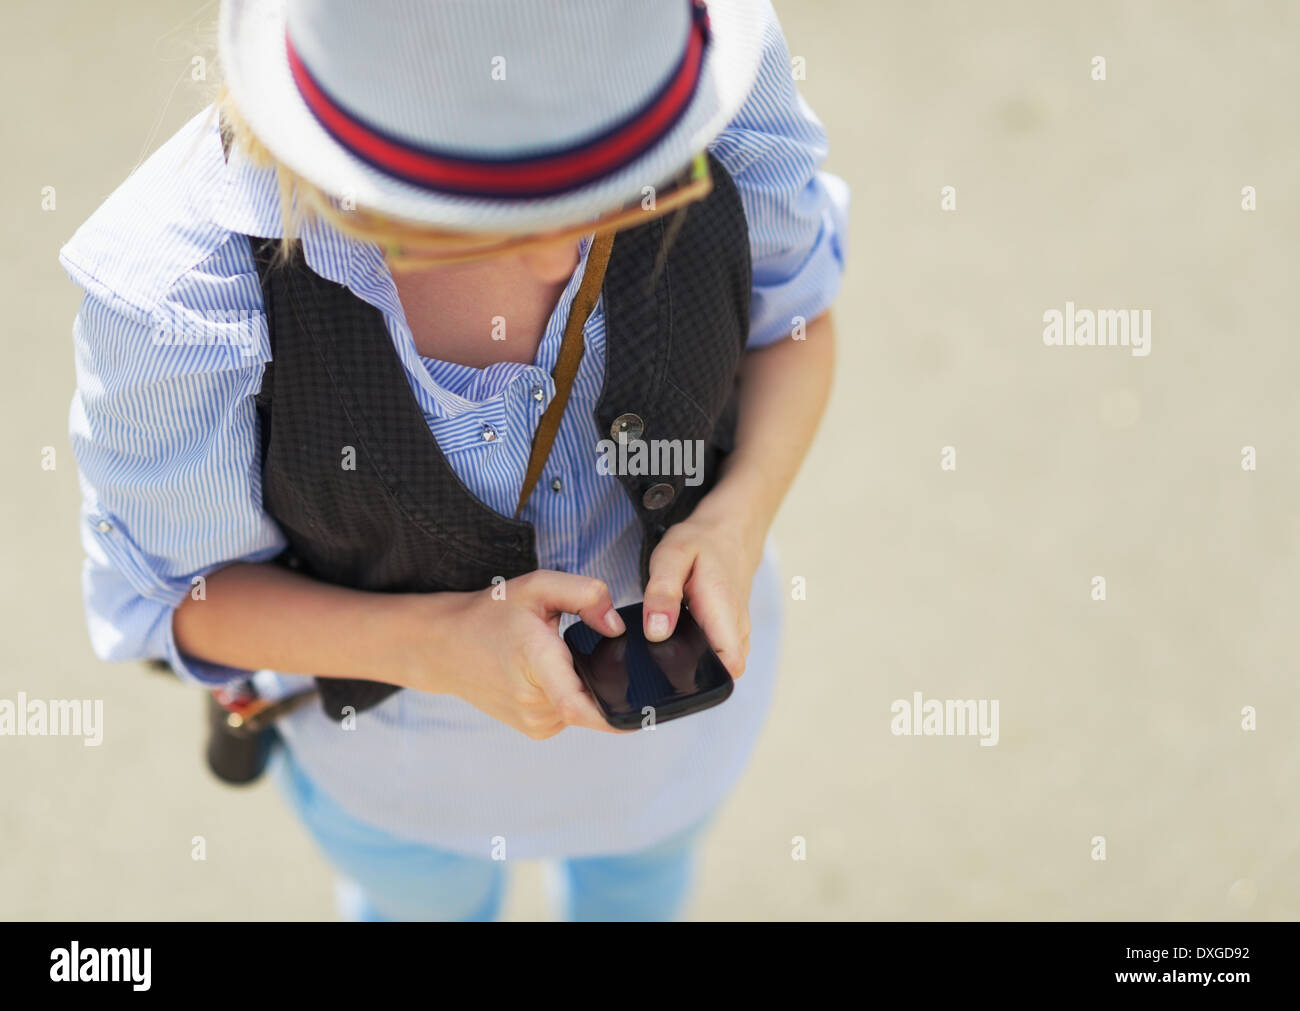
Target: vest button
(658, 495)
(630, 425)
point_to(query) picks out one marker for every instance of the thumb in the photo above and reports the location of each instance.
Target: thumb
(670, 568)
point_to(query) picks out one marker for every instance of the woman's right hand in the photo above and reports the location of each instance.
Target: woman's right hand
(503, 654)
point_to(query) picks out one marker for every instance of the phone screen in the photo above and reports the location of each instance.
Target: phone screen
(631, 677)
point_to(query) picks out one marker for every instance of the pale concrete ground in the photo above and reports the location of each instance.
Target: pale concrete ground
(1118, 718)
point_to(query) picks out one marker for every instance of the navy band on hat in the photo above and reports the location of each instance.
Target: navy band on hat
(521, 177)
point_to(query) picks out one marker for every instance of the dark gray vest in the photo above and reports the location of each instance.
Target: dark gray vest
(676, 318)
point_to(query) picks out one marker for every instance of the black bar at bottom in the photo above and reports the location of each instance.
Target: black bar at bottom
(923, 960)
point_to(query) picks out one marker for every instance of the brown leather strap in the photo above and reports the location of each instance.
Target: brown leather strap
(566, 362)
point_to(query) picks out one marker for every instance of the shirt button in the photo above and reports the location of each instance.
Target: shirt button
(658, 495)
(630, 425)
(539, 394)
(103, 526)
(489, 434)
(557, 484)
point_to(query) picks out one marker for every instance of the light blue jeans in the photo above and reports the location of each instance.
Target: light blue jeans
(385, 878)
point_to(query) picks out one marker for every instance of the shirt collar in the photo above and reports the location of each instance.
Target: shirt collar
(248, 202)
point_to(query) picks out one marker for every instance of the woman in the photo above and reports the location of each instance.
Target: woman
(329, 424)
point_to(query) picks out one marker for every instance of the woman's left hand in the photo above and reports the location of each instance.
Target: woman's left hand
(709, 559)
(712, 555)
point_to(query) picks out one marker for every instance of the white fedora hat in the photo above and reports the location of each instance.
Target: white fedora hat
(489, 115)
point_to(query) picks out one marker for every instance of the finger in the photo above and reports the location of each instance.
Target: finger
(538, 731)
(580, 710)
(554, 671)
(670, 568)
(540, 726)
(717, 614)
(565, 593)
(744, 658)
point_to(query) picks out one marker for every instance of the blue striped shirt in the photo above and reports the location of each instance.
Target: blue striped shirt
(171, 343)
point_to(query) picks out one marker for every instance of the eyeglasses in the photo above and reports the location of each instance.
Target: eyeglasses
(425, 248)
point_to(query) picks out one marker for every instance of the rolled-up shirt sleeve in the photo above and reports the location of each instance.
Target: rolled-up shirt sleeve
(164, 430)
(797, 214)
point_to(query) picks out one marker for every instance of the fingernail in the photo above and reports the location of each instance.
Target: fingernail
(657, 627)
(613, 620)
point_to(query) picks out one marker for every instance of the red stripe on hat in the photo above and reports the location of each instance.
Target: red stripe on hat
(523, 177)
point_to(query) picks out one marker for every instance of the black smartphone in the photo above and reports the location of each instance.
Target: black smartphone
(635, 681)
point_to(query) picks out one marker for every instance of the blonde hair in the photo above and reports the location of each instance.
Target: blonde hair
(406, 243)
(300, 200)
